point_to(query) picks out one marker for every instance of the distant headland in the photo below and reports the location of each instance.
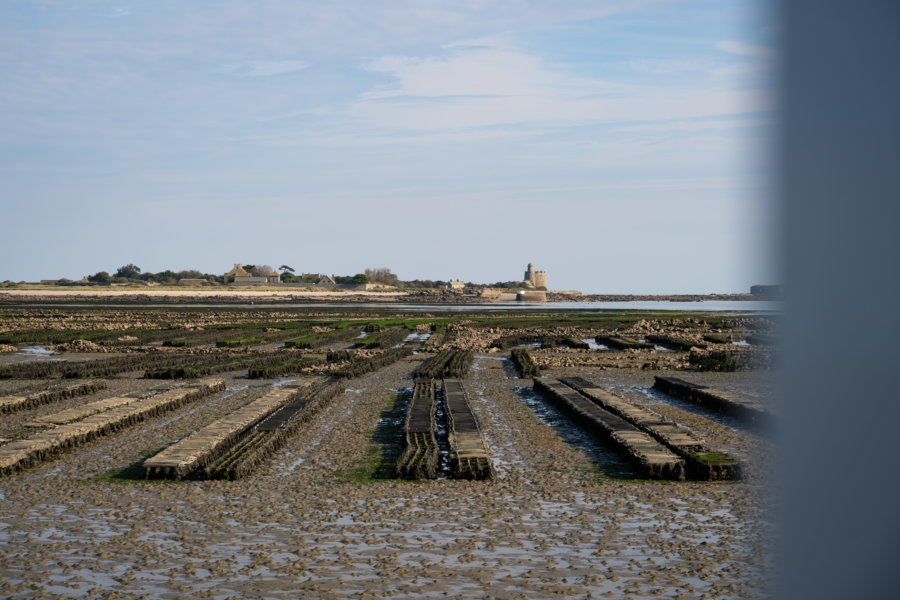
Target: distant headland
(263, 284)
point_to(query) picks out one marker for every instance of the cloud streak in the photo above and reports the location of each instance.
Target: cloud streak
(263, 68)
(614, 110)
(478, 86)
(745, 49)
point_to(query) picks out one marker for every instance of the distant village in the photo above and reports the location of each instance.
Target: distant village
(532, 286)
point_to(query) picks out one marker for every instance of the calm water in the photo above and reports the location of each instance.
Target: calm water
(737, 306)
(702, 306)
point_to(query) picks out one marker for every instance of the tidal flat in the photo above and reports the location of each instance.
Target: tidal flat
(324, 516)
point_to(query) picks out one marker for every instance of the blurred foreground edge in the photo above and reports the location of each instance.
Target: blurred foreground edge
(839, 189)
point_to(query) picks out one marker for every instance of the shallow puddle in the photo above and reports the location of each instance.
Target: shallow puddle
(593, 345)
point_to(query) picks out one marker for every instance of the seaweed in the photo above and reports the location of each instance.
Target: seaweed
(524, 363)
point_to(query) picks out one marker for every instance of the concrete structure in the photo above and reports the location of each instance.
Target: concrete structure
(773, 291)
(360, 287)
(321, 279)
(535, 278)
(455, 284)
(237, 271)
(531, 296)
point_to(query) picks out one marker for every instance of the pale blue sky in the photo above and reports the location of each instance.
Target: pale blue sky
(621, 146)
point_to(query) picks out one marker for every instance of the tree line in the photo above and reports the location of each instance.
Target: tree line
(131, 273)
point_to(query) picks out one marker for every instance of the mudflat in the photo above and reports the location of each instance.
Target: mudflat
(323, 517)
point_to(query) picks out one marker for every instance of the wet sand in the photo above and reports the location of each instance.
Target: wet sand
(550, 525)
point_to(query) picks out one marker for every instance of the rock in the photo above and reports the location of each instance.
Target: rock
(77, 346)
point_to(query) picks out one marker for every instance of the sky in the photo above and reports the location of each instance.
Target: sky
(623, 147)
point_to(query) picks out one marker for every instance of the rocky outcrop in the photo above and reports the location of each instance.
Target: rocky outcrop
(77, 346)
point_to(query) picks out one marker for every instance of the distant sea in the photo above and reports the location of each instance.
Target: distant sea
(734, 306)
(731, 306)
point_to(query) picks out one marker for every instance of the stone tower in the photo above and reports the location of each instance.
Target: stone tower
(535, 278)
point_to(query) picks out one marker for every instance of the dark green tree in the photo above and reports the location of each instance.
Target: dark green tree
(129, 271)
(100, 277)
(166, 276)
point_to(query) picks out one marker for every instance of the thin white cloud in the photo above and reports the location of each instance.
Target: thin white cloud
(674, 66)
(696, 125)
(374, 139)
(499, 41)
(640, 105)
(470, 71)
(745, 49)
(263, 68)
(476, 85)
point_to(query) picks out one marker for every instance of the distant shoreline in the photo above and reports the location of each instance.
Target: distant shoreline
(169, 294)
(555, 297)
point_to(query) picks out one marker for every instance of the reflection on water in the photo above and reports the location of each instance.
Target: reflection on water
(27, 354)
(34, 351)
(417, 337)
(593, 345)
